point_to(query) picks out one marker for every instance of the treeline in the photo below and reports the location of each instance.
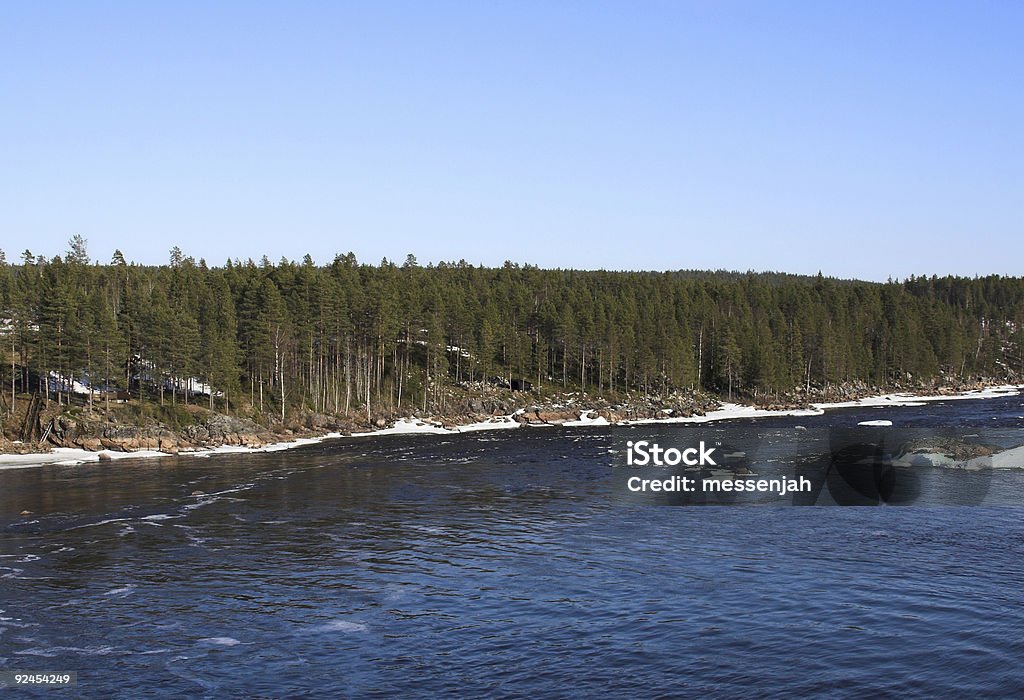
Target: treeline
(349, 336)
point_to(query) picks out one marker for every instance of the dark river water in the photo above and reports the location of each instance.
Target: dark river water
(511, 563)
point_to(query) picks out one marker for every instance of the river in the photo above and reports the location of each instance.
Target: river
(510, 563)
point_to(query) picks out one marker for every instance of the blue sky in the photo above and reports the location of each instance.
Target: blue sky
(868, 139)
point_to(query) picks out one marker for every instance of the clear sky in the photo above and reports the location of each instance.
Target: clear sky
(864, 139)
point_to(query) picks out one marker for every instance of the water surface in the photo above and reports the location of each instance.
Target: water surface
(504, 563)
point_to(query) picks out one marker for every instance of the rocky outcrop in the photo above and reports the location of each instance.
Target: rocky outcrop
(17, 447)
(957, 450)
(219, 429)
(96, 433)
(538, 416)
(489, 406)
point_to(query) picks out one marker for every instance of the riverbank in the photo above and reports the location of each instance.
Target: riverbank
(571, 411)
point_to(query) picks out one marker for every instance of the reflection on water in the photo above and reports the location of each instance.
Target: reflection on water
(497, 563)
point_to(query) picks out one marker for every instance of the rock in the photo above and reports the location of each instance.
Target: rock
(91, 444)
(318, 421)
(104, 457)
(954, 449)
(121, 432)
(197, 433)
(197, 493)
(26, 512)
(109, 444)
(217, 428)
(539, 416)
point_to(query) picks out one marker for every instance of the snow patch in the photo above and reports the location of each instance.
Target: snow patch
(588, 418)
(729, 411)
(907, 399)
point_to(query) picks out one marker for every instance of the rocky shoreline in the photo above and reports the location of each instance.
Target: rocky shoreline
(121, 431)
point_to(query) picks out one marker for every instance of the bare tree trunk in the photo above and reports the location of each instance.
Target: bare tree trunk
(13, 395)
(348, 375)
(107, 377)
(583, 368)
(278, 368)
(700, 354)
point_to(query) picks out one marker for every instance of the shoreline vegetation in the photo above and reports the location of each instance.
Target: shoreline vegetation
(121, 358)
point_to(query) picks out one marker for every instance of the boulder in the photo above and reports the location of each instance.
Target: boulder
(557, 417)
(319, 421)
(91, 444)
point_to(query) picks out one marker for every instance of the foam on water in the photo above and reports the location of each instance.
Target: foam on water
(123, 591)
(341, 626)
(54, 651)
(220, 641)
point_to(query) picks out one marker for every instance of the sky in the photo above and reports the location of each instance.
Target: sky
(862, 139)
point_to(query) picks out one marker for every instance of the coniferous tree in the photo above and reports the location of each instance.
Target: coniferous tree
(384, 338)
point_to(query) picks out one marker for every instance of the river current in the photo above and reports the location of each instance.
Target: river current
(509, 563)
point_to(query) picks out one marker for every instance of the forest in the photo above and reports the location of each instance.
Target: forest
(353, 337)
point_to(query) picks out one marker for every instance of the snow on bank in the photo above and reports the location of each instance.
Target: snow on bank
(1012, 458)
(728, 411)
(587, 418)
(1007, 459)
(67, 456)
(413, 426)
(71, 456)
(906, 399)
